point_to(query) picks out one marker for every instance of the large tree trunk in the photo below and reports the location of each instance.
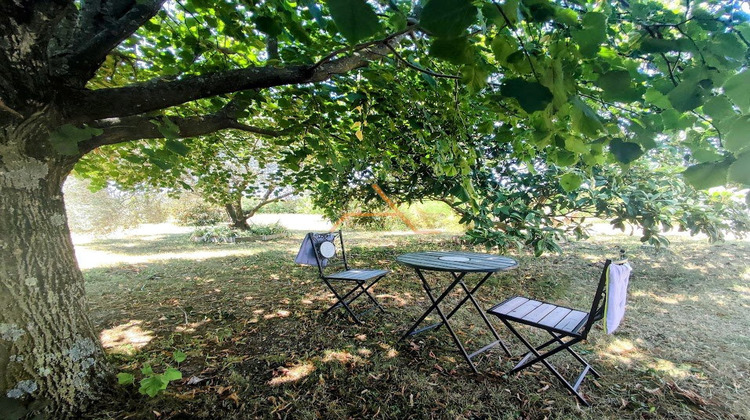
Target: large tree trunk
(49, 352)
(237, 215)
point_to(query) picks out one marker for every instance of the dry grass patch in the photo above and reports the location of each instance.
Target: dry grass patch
(250, 321)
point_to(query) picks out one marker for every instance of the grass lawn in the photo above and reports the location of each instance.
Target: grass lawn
(250, 322)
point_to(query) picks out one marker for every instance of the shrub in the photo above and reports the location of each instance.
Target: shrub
(272, 229)
(196, 212)
(213, 234)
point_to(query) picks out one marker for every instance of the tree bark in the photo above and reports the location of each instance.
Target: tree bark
(237, 215)
(49, 352)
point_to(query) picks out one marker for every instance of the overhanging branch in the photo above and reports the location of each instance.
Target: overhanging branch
(87, 106)
(120, 130)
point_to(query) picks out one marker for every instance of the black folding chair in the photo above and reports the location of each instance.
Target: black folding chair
(334, 271)
(566, 326)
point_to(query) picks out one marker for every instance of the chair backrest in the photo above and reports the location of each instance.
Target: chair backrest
(600, 300)
(329, 253)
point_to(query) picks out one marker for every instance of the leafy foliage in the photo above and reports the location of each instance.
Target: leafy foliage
(154, 383)
(482, 100)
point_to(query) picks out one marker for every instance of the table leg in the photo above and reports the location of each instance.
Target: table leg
(447, 324)
(486, 321)
(429, 310)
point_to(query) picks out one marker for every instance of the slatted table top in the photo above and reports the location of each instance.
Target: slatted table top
(469, 262)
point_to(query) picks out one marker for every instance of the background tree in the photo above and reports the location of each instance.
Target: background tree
(223, 169)
(592, 79)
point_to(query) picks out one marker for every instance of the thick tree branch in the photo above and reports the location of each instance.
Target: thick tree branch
(120, 130)
(87, 106)
(116, 21)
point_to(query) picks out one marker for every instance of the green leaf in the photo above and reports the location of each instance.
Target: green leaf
(593, 34)
(687, 96)
(576, 145)
(737, 139)
(166, 127)
(625, 152)
(177, 147)
(147, 370)
(736, 88)
(739, 170)
(532, 96)
(355, 19)
(654, 97)
(179, 356)
(448, 18)
(267, 25)
(585, 120)
(153, 385)
(571, 181)
(703, 155)
(617, 86)
(460, 193)
(172, 374)
(453, 50)
(65, 138)
(474, 78)
(124, 378)
(728, 45)
(539, 10)
(707, 175)
(566, 16)
(565, 157)
(718, 108)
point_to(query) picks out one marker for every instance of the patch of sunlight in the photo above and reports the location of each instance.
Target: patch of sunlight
(89, 258)
(671, 300)
(390, 351)
(623, 351)
(125, 338)
(292, 374)
(281, 313)
(343, 357)
(364, 352)
(191, 327)
(744, 290)
(399, 300)
(668, 367)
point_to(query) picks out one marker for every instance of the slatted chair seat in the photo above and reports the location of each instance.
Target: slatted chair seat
(321, 249)
(534, 312)
(567, 326)
(357, 275)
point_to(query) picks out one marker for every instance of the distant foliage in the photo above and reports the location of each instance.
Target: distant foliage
(271, 229)
(110, 209)
(214, 234)
(192, 211)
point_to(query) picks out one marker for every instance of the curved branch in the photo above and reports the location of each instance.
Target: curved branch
(420, 69)
(91, 105)
(120, 130)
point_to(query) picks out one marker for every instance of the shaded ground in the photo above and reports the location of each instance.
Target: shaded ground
(249, 321)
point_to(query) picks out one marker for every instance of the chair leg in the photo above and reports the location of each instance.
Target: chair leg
(578, 357)
(345, 300)
(542, 357)
(342, 302)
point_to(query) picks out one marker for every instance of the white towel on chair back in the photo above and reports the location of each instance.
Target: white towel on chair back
(617, 293)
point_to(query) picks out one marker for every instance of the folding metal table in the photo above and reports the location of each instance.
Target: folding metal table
(459, 264)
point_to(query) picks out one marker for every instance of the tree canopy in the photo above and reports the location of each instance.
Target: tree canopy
(551, 90)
